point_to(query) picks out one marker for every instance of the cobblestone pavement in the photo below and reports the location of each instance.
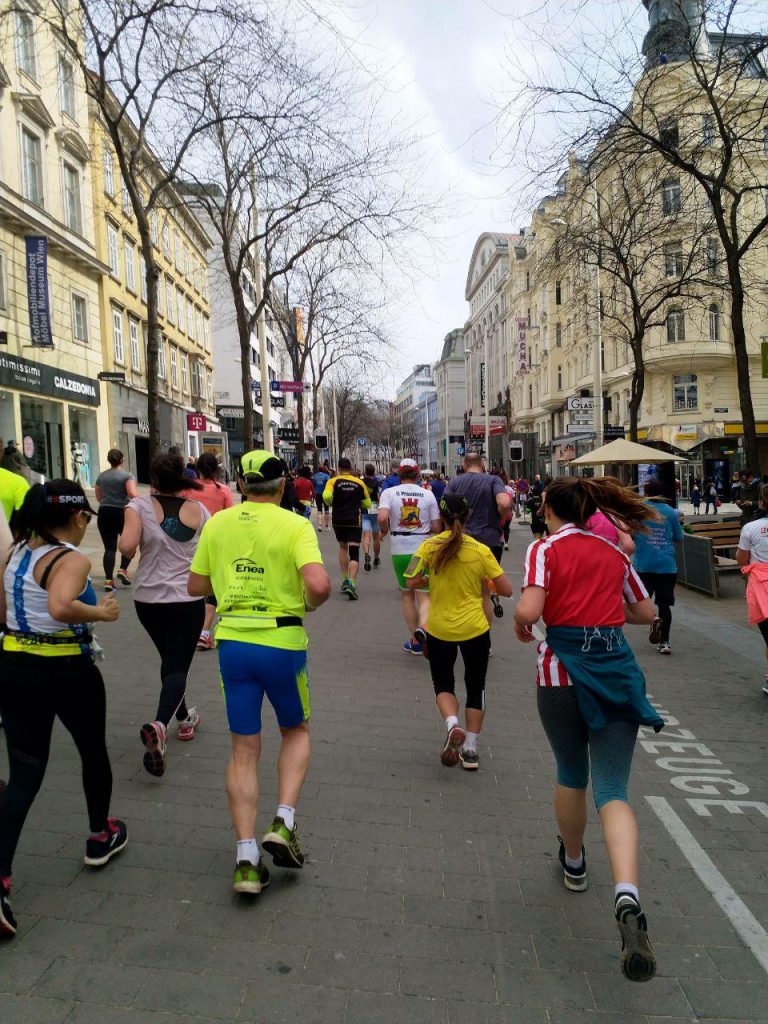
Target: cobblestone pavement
(429, 895)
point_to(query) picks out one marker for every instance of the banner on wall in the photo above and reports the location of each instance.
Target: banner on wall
(522, 345)
(37, 291)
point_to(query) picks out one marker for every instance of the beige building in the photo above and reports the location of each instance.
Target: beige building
(50, 395)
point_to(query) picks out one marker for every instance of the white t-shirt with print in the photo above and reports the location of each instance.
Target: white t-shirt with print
(754, 539)
(411, 511)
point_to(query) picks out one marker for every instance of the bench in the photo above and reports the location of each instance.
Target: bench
(701, 556)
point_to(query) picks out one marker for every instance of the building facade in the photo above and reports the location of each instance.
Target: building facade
(450, 382)
(51, 399)
(408, 427)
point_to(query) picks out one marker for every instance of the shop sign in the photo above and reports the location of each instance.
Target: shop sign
(232, 412)
(482, 385)
(610, 432)
(213, 444)
(522, 345)
(456, 439)
(27, 375)
(578, 428)
(497, 425)
(567, 453)
(116, 377)
(196, 421)
(37, 291)
(579, 404)
(721, 410)
(687, 432)
(545, 451)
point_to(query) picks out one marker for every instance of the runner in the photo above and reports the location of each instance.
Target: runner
(347, 497)
(320, 478)
(215, 496)
(656, 562)
(114, 489)
(394, 475)
(167, 526)
(48, 671)
(409, 513)
(264, 566)
(371, 520)
(591, 692)
(13, 490)
(752, 556)
(535, 505)
(456, 568)
(305, 489)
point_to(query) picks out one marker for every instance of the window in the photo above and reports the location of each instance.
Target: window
(109, 173)
(186, 262)
(2, 280)
(66, 87)
(713, 257)
(671, 197)
(184, 373)
(113, 254)
(673, 259)
(79, 318)
(177, 250)
(162, 371)
(558, 293)
(685, 392)
(130, 266)
(25, 45)
(153, 227)
(196, 275)
(72, 209)
(180, 309)
(209, 387)
(174, 368)
(765, 141)
(204, 275)
(191, 320)
(199, 327)
(133, 333)
(559, 335)
(32, 166)
(530, 396)
(166, 241)
(117, 336)
(206, 334)
(125, 200)
(527, 280)
(669, 135)
(170, 305)
(714, 322)
(675, 325)
(708, 130)
(143, 278)
(559, 378)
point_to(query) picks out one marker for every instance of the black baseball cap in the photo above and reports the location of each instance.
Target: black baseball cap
(454, 505)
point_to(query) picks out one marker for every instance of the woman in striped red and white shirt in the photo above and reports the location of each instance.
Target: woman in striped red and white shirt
(590, 690)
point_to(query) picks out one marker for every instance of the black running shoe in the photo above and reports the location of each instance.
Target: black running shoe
(367, 563)
(98, 851)
(574, 879)
(637, 960)
(420, 636)
(654, 637)
(376, 563)
(8, 924)
(498, 609)
(469, 760)
(124, 578)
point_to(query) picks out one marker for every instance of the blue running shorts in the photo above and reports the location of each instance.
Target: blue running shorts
(249, 671)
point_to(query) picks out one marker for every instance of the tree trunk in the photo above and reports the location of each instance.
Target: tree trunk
(154, 338)
(638, 387)
(739, 334)
(300, 427)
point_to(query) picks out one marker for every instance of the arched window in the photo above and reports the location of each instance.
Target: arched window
(714, 322)
(675, 325)
(559, 378)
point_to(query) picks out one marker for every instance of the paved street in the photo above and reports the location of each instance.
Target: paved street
(429, 895)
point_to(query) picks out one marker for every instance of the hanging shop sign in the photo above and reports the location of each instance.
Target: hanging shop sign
(497, 425)
(26, 375)
(522, 345)
(483, 378)
(37, 291)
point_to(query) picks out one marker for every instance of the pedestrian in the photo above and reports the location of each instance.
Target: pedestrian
(488, 503)
(215, 496)
(48, 671)
(535, 505)
(656, 562)
(320, 478)
(523, 489)
(696, 499)
(394, 475)
(166, 526)
(262, 650)
(409, 514)
(115, 487)
(537, 486)
(305, 489)
(290, 500)
(590, 690)
(347, 496)
(456, 568)
(506, 519)
(437, 485)
(749, 496)
(371, 528)
(710, 495)
(752, 556)
(8, 461)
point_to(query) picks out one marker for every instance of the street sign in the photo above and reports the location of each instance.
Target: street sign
(113, 378)
(321, 441)
(362, 442)
(460, 450)
(196, 421)
(292, 386)
(288, 434)
(578, 404)
(276, 400)
(721, 410)
(578, 428)
(456, 439)
(611, 432)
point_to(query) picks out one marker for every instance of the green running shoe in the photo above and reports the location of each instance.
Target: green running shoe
(250, 878)
(283, 844)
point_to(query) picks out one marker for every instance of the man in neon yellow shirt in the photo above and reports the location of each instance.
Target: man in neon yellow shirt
(13, 489)
(263, 564)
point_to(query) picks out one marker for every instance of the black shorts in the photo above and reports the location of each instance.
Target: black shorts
(321, 506)
(660, 586)
(497, 552)
(348, 534)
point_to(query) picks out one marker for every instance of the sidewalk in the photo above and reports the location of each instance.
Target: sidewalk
(430, 896)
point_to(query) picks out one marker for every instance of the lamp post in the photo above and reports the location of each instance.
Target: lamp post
(447, 424)
(597, 388)
(484, 395)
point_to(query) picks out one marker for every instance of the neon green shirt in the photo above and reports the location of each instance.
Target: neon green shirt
(253, 554)
(13, 488)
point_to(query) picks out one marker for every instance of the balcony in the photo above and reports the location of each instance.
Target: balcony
(552, 403)
(688, 356)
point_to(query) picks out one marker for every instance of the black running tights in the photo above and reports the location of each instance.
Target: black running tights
(110, 522)
(34, 692)
(174, 630)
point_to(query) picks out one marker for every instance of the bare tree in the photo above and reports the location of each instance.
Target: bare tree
(696, 99)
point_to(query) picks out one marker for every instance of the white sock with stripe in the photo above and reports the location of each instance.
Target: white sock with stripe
(248, 850)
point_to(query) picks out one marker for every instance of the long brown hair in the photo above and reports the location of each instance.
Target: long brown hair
(576, 499)
(453, 520)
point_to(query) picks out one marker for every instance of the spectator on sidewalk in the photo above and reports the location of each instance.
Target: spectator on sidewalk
(710, 495)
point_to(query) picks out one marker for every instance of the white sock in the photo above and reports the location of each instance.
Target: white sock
(288, 814)
(248, 849)
(470, 743)
(570, 863)
(626, 887)
(205, 632)
(451, 721)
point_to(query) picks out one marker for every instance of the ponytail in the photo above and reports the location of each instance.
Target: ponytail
(450, 547)
(576, 499)
(43, 511)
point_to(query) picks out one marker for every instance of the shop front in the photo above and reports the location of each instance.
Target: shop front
(53, 415)
(130, 428)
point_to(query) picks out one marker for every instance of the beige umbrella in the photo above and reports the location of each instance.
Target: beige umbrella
(623, 452)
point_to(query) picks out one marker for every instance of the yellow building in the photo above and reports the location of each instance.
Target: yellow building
(50, 395)
(185, 356)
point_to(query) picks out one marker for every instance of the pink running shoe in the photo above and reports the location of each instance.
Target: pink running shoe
(186, 729)
(206, 642)
(153, 736)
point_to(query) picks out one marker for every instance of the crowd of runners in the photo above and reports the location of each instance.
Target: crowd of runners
(207, 570)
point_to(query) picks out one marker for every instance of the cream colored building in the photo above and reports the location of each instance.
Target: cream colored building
(50, 397)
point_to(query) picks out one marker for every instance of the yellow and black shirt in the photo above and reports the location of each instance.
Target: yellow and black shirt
(347, 496)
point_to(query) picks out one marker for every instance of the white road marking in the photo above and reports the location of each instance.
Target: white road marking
(735, 909)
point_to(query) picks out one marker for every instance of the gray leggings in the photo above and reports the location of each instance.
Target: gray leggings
(577, 748)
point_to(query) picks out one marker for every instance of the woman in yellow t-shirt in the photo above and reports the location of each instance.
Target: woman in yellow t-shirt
(456, 568)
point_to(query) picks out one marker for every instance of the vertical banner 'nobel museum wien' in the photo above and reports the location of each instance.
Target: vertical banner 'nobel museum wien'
(37, 291)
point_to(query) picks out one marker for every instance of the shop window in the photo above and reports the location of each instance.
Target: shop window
(714, 322)
(79, 318)
(685, 392)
